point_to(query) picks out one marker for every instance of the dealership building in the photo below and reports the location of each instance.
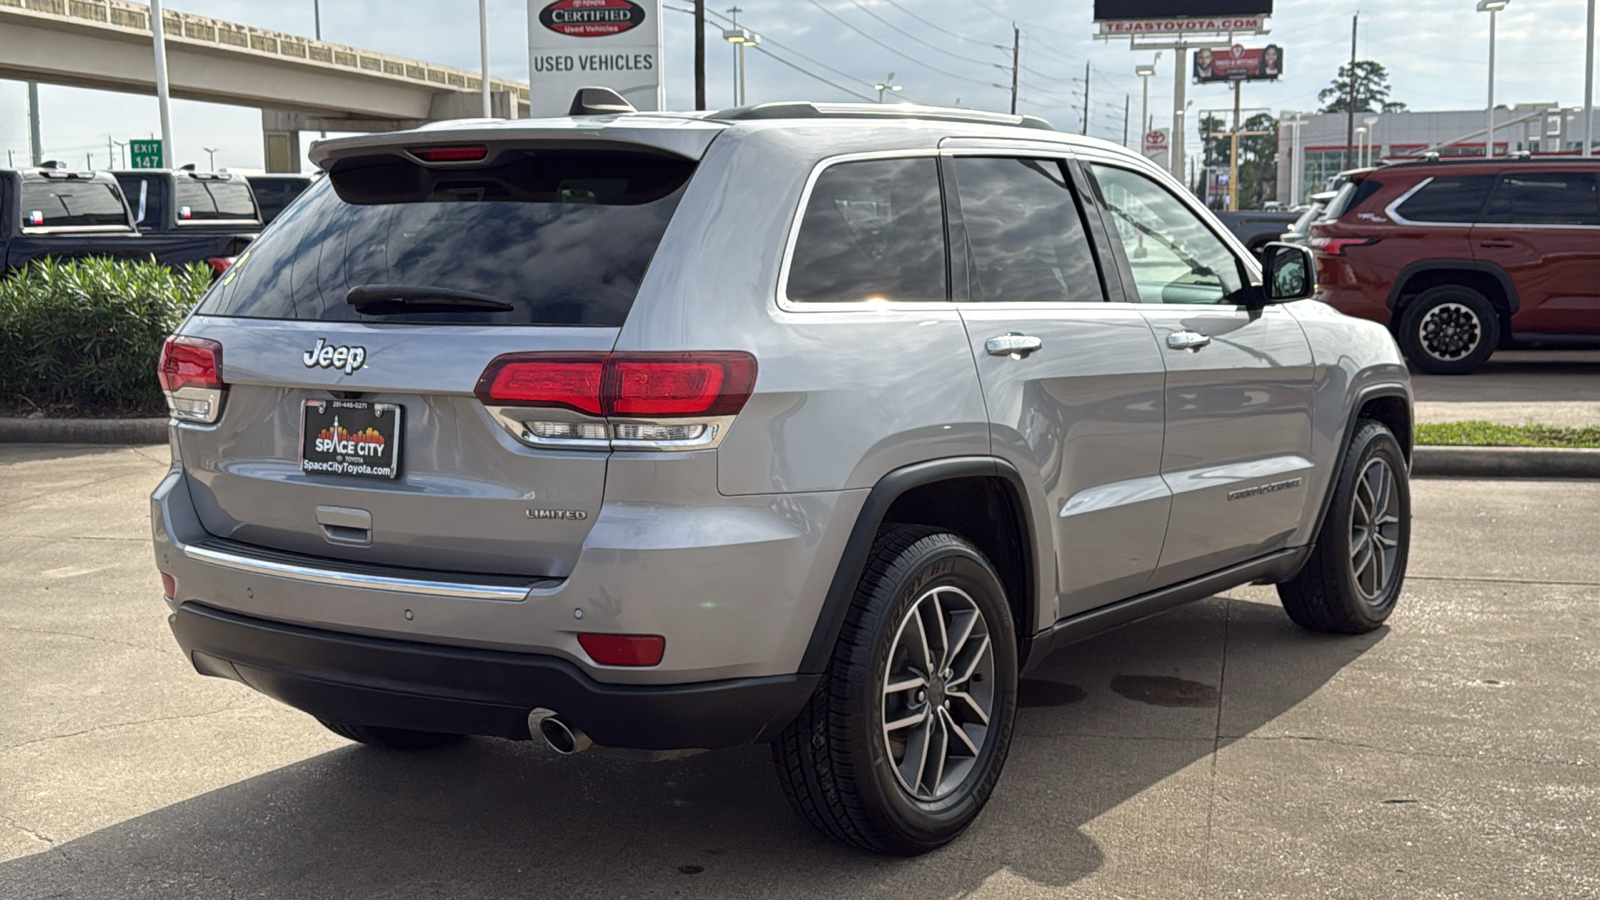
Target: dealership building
(1538, 128)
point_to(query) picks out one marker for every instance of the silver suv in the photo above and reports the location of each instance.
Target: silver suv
(807, 425)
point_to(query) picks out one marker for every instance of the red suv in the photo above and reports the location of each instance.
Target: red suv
(1460, 258)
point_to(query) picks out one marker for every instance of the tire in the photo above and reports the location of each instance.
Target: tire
(1352, 581)
(1449, 330)
(398, 739)
(848, 763)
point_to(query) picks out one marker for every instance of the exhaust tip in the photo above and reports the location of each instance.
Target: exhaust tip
(558, 735)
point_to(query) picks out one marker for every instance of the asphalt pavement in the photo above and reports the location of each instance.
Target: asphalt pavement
(1517, 387)
(1215, 751)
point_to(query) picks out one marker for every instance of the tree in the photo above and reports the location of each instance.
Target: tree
(1371, 93)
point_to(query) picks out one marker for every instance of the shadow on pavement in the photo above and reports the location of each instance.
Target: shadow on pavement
(1102, 722)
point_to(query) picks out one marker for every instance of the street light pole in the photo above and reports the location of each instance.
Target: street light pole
(1145, 72)
(1361, 147)
(163, 97)
(1492, 7)
(483, 50)
(1372, 145)
(316, 16)
(1295, 161)
(1588, 86)
(887, 85)
(211, 152)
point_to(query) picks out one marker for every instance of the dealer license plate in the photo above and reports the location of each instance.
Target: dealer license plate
(350, 437)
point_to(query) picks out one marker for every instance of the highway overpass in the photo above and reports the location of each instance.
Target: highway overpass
(298, 83)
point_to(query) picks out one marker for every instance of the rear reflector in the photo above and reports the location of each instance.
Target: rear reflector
(190, 362)
(623, 385)
(624, 649)
(467, 153)
(169, 586)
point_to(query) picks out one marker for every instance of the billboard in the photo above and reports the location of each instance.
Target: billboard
(593, 43)
(1105, 10)
(1238, 64)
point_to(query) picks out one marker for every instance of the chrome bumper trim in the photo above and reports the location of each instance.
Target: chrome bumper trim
(354, 580)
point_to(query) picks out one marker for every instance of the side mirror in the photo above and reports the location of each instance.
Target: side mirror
(1289, 272)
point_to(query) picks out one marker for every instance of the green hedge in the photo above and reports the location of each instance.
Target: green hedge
(83, 337)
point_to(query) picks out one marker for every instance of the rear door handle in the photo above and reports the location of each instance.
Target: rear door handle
(1013, 344)
(1496, 245)
(1187, 340)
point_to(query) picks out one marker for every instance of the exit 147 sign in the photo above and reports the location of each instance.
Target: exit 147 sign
(145, 154)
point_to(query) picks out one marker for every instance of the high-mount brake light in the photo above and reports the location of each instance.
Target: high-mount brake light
(221, 263)
(190, 372)
(698, 393)
(465, 153)
(1335, 246)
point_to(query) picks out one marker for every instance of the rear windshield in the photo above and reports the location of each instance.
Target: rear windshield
(1447, 198)
(214, 201)
(71, 204)
(561, 237)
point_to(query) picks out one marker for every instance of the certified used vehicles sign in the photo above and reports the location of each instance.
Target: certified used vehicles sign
(592, 18)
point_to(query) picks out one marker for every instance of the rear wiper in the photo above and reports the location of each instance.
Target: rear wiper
(398, 299)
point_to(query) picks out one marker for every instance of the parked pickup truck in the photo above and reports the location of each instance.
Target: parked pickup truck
(51, 212)
(181, 201)
(1257, 228)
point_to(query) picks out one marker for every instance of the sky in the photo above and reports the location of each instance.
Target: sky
(941, 51)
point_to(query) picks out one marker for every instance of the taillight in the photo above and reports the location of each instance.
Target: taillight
(190, 371)
(698, 394)
(465, 153)
(221, 263)
(1335, 246)
(624, 649)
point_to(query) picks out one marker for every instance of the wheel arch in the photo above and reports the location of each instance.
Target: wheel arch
(1389, 404)
(913, 495)
(1487, 278)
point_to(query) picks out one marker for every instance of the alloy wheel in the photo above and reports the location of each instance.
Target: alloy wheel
(1374, 531)
(1450, 331)
(938, 693)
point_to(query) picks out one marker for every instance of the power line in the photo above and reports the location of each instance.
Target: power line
(846, 23)
(958, 36)
(858, 4)
(810, 74)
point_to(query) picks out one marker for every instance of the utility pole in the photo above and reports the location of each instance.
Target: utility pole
(1233, 156)
(1086, 72)
(738, 98)
(1016, 63)
(1127, 108)
(1350, 116)
(163, 97)
(699, 54)
(35, 146)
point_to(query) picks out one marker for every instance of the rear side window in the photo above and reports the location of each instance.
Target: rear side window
(71, 204)
(562, 237)
(872, 230)
(1025, 234)
(1544, 198)
(1447, 198)
(213, 201)
(1351, 196)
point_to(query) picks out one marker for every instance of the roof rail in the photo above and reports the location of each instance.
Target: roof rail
(805, 109)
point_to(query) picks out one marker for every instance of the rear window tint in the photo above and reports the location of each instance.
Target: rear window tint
(1351, 196)
(1025, 234)
(213, 201)
(1544, 198)
(1447, 198)
(562, 236)
(873, 230)
(71, 204)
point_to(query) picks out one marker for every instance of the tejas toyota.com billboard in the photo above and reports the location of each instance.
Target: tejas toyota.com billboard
(593, 43)
(1105, 10)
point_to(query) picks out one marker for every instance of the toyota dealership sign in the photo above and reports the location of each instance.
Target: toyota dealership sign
(574, 44)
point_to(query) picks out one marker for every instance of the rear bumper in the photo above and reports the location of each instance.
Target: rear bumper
(431, 687)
